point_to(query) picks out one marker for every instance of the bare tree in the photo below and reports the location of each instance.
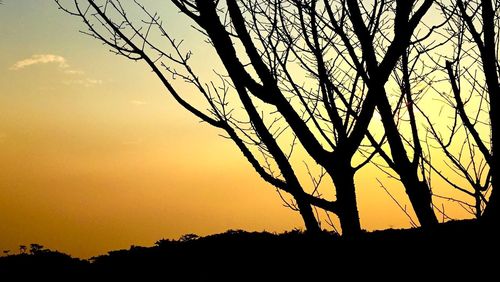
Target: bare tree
(311, 70)
(486, 13)
(401, 61)
(472, 72)
(401, 117)
(246, 134)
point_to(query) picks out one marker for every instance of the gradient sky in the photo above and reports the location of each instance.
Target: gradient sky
(95, 156)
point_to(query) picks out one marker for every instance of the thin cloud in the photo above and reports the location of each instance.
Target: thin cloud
(41, 59)
(93, 81)
(85, 82)
(78, 76)
(75, 72)
(138, 102)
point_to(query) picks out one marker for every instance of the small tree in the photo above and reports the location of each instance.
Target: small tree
(22, 249)
(486, 14)
(473, 75)
(188, 237)
(35, 248)
(406, 49)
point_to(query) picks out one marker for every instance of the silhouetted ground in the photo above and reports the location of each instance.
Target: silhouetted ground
(455, 249)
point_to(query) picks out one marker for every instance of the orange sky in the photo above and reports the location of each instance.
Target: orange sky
(95, 156)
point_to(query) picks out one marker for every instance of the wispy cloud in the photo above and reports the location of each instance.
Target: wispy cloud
(41, 59)
(87, 82)
(138, 102)
(77, 72)
(78, 76)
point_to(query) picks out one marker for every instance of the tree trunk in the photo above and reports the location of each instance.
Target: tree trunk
(421, 199)
(343, 179)
(418, 191)
(491, 214)
(488, 55)
(306, 211)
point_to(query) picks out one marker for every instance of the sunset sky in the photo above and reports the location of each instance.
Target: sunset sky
(96, 156)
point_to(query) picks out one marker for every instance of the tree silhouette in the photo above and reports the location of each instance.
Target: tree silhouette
(188, 237)
(473, 75)
(406, 20)
(316, 69)
(405, 159)
(486, 42)
(35, 248)
(22, 249)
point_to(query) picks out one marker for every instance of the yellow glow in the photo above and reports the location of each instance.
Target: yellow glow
(95, 156)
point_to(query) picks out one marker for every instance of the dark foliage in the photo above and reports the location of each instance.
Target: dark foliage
(450, 248)
(45, 263)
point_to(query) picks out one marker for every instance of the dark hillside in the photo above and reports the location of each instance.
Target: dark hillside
(260, 256)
